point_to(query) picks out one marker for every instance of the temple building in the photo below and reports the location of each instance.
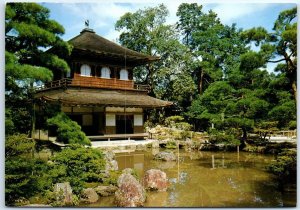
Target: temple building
(99, 92)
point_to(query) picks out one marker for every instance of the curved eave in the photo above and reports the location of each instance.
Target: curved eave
(89, 41)
(88, 97)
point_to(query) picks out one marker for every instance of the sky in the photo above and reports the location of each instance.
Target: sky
(103, 15)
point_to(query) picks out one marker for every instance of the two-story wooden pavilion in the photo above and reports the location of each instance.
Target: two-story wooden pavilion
(99, 92)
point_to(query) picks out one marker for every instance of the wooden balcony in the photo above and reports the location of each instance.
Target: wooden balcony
(94, 82)
(113, 83)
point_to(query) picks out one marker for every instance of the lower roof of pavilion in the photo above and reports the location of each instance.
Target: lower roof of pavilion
(101, 97)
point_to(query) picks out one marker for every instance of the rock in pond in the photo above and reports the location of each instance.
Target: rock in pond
(63, 193)
(155, 179)
(128, 171)
(106, 190)
(130, 192)
(165, 156)
(111, 163)
(89, 195)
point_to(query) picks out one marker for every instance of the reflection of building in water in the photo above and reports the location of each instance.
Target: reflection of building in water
(135, 161)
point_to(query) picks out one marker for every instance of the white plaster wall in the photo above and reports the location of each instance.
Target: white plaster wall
(110, 120)
(138, 119)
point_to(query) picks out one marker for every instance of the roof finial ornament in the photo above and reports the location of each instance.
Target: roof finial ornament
(87, 23)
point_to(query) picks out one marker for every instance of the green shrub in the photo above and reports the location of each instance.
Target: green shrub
(56, 199)
(216, 137)
(292, 124)
(171, 145)
(170, 121)
(183, 126)
(24, 175)
(16, 145)
(148, 124)
(113, 178)
(285, 165)
(68, 131)
(78, 165)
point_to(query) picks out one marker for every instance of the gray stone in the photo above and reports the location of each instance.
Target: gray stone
(155, 179)
(106, 190)
(141, 147)
(63, 193)
(128, 171)
(130, 192)
(111, 163)
(165, 156)
(155, 144)
(89, 195)
(109, 155)
(154, 150)
(114, 165)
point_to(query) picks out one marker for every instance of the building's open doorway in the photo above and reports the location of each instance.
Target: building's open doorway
(124, 124)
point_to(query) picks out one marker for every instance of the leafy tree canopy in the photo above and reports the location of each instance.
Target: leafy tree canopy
(277, 46)
(33, 52)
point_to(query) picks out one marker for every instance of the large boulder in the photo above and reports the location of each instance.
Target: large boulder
(89, 195)
(155, 179)
(165, 156)
(63, 193)
(106, 190)
(130, 192)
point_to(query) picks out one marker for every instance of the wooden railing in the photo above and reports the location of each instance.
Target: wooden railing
(141, 87)
(55, 84)
(80, 81)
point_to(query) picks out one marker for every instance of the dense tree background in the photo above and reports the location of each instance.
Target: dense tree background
(210, 72)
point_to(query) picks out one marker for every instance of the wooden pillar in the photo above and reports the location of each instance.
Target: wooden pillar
(33, 121)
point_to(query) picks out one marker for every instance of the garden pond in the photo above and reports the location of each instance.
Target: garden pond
(208, 179)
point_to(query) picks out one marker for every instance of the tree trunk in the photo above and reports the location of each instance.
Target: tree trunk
(33, 121)
(244, 138)
(244, 134)
(150, 81)
(294, 88)
(201, 82)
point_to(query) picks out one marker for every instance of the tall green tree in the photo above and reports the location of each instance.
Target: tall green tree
(29, 32)
(278, 46)
(146, 31)
(215, 47)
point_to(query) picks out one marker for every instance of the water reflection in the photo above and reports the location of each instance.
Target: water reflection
(237, 180)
